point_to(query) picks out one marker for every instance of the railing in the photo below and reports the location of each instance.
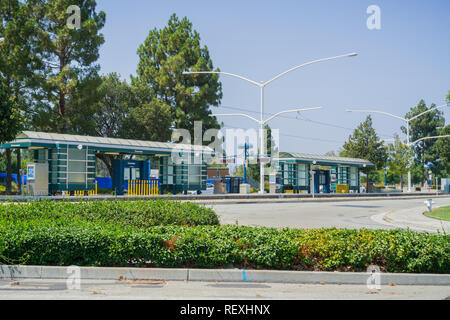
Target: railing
(89, 193)
(143, 188)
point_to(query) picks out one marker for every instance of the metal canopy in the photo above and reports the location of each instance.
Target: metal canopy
(324, 160)
(29, 139)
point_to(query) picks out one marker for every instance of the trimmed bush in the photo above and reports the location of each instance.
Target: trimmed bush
(140, 214)
(88, 243)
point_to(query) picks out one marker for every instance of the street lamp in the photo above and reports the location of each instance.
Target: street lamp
(262, 85)
(408, 121)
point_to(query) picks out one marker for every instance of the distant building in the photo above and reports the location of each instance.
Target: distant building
(218, 172)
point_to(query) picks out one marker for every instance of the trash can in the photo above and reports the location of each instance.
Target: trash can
(227, 182)
(236, 184)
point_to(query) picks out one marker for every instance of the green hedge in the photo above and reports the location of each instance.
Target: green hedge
(90, 244)
(140, 214)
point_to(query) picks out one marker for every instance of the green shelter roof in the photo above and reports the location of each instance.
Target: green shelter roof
(324, 160)
(31, 139)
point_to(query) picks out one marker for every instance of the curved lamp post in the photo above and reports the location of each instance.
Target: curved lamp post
(262, 85)
(408, 121)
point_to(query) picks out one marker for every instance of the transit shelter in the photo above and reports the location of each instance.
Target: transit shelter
(306, 173)
(72, 162)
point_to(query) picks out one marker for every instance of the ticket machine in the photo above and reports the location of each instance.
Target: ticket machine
(37, 183)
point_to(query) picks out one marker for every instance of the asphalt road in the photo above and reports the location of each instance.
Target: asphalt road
(174, 290)
(343, 214)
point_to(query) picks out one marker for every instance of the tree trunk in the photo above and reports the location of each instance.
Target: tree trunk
(108, 161)
(19, 177)
(8, 172)
(367, 184)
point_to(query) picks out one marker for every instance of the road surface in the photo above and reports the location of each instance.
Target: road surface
(343, 214)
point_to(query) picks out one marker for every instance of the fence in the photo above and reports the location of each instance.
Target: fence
(89, 193)
(143, 188)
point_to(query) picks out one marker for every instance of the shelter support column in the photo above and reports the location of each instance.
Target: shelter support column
(19, 169)
(8, 171)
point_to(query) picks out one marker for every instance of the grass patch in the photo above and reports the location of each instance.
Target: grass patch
(442, 213)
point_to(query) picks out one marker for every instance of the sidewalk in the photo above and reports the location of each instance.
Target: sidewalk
(413, 219)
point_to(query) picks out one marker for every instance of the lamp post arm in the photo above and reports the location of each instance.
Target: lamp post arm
(290, 111)
(224, 73)
(236, 115)
(379, 112)
(427, 138)
(307, 64)
(432, 109)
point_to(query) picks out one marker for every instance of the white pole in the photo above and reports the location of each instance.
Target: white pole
(410, 159)
(262, 148)
(262, 85)
(408, 131)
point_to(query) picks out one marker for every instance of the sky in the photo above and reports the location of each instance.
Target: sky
(407, 60)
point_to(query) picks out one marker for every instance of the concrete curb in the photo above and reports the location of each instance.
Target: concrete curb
(220, 275)
(238, 198)
(233, 200)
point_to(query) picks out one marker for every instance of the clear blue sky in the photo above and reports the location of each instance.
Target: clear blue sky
(407, 60)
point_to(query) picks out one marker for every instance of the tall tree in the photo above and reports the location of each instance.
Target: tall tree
(424, 126)
(70, 76)
(151, 117)
(443, 152)
(400, 154)
(164, 56)
(18, 62)
(122, 112)
(364, 143)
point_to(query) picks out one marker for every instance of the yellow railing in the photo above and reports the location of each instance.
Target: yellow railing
(89, 193)
(143, 188)
(342, 188)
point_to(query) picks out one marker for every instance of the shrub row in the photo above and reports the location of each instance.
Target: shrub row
(140, 214)
(86, 243)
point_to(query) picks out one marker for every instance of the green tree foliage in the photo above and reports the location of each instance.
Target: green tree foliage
(112, 112)
(401, 156)
(70, 75)
(443, 151)
(424, 126)
(17, 63)
(164, 56)
(10, 117)
(364, 143)
(121, 112)
(151, 117)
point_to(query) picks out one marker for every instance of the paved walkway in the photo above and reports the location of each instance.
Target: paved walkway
(413, 218)
(112, 290)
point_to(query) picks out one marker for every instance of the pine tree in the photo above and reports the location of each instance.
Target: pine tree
(70, 76)
(364, 143)
(164, 56)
